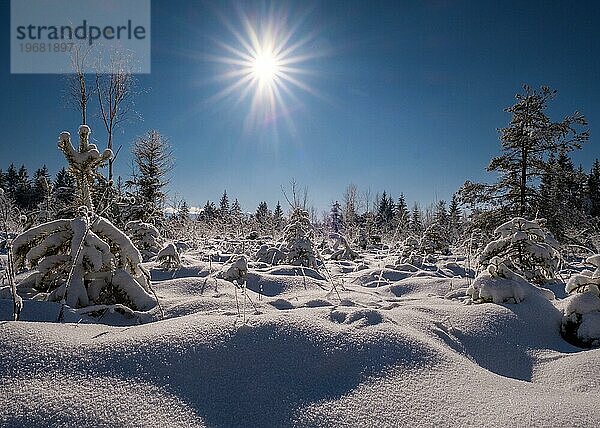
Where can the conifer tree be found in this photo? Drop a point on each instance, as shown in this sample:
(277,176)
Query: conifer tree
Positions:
(224,210)
(335,218)
(593,189)
(402,215)
(278,221)
(263,215)
(416,220)
(527,142)
(454,219)
(236,212)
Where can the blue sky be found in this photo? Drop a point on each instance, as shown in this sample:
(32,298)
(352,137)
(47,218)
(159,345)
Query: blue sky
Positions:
(409,96)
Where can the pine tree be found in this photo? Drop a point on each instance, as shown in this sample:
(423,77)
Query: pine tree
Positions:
(455,220)
(154,160)
(593,189)
(402,216)
(416,220)
(263,215)
(278,220)
(224,207)
(335,218)
(385,212)
(526,144)
(236,212)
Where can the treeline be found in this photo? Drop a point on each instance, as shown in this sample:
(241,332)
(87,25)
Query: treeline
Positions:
(38,191)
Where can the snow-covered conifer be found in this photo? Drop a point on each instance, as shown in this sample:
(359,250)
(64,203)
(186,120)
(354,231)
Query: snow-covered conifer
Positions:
(168,257)
(525,247)
(145,237)
(298,236)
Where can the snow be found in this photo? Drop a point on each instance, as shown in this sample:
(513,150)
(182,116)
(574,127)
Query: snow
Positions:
(395,354)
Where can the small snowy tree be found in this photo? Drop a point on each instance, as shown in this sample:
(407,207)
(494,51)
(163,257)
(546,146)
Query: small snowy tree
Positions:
(298,236)
(581,320)
(83,164)
(500,284)
(336,221)
(86,260)
(168,257)
(145,237)
(525,247)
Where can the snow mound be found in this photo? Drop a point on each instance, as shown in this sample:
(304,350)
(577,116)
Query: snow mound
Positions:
(499,284)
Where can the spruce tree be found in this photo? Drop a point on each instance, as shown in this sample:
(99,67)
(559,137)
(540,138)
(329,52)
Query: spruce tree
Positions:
(154,160)
(527,142)
(236,212)
(454,219)
(278,220)
(402,215)
(593,190)
(335,218)
(263,215)
(416,220)
(23,189)
(224,207)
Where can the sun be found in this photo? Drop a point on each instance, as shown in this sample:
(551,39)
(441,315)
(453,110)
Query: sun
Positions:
(265,67)
(266,62)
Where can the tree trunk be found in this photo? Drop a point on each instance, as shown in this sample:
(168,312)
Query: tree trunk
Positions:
(523,182)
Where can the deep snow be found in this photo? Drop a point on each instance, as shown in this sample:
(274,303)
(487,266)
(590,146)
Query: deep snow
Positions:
(390,350)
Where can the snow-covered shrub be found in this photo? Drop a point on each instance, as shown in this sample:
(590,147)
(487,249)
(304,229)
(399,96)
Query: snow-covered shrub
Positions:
(298,236)
(581,320)
(86,260)
(525,247)
(235,271)
(83,163)
(410,252)
(500,284)
(83,261)
(168,257)
(435,240)
(270,255)
(341,248)
(145,237)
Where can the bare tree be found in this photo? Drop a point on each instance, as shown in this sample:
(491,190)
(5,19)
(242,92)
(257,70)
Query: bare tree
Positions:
(78,93)
(115,90)
(299,197)
(366,196)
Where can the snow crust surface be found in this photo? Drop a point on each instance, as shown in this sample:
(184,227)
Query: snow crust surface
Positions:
(384,347)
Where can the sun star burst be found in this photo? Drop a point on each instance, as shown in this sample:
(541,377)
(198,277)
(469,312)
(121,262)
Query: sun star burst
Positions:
(266,63)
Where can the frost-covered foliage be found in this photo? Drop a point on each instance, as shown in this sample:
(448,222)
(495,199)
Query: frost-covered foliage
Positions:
(83,261)
(145,237)
(581,321)
(298,236)
(83,163)
(236,271)
(335,220)
(341,248)
(168,257)
(270,255)
(500,284)
(435,240)
(409,252)
(526,248)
